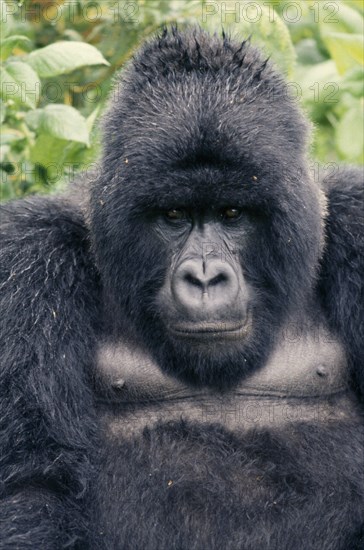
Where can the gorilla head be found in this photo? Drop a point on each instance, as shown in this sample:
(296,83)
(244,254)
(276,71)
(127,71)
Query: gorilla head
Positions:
(206,226)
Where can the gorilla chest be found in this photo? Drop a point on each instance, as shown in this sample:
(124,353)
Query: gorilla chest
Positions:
(237,412)
(192,468)
(304,381)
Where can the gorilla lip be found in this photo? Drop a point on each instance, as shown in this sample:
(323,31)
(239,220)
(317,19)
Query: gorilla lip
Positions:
(228,329)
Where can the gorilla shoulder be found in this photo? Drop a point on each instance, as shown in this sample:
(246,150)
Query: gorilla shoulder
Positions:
(341,283)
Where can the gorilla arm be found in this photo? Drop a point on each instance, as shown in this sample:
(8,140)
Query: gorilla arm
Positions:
(342,273)
(48,311)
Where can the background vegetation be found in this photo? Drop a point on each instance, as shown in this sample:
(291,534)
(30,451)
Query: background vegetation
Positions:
(58,59)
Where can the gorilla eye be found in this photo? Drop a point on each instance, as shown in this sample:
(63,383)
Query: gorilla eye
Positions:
(231,213)
(175,214)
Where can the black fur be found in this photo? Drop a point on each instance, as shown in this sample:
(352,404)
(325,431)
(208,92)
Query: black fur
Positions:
(341,278)
(192,488)
(50,308)
(195,117)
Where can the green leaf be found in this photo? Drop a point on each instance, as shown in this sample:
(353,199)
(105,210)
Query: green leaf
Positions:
(4,151)
(324,143)
(10,135)
(345,20)
(345,49)
(49,151)
(6,18)
(308,52)
(352,82)
(56,155)
(320,88)
(267,29)
(59,121)
(20,83)
(357,5)
(64,57)
(2,111)
(350,133)
(9,44)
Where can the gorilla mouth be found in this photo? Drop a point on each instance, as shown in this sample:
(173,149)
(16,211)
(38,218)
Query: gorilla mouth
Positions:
(211,330)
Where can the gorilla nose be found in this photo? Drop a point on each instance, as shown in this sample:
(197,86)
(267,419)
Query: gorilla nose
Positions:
(211,285)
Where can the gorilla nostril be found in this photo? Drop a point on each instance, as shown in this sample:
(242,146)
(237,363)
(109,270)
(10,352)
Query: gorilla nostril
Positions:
(221,278)
(196,289)
(192,280)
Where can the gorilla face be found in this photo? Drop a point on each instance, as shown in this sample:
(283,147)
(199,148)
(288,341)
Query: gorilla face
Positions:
(205,297)
(205,224)
(206,301)
(202,272)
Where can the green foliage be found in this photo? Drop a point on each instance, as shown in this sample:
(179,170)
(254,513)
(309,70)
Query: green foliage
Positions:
(64,57)
(58,60)
(259,21)
(40,140)
(328,39)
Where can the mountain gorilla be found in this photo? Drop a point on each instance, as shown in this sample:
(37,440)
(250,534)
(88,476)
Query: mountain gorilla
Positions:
(183,336)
